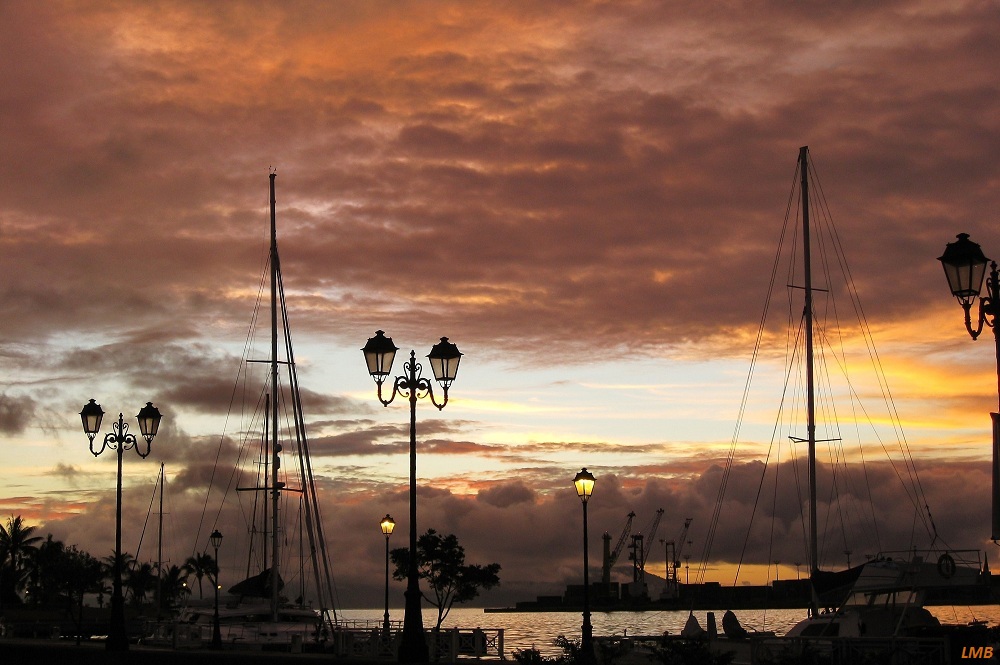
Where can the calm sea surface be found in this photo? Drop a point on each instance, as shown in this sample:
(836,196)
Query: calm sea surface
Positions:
(525,630)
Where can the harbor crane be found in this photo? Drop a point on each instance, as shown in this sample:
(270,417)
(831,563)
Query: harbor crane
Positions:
(677,551)
(640,548)
(611,556)
(673,561)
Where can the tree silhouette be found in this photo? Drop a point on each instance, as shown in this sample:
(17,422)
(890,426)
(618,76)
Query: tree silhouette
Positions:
(17,544)
(43,571)
(202,565)
(174,586)
(72,574)
(441,562)
(54,574)
(140,581)
(126,560)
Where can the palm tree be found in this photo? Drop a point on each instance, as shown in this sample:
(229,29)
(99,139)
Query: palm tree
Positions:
(201,565)
(43,569)
(141,580)
(109,573)
(126,559)
(16,544)
(174,585)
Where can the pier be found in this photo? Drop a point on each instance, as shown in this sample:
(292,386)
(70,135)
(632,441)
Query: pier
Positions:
(359,641)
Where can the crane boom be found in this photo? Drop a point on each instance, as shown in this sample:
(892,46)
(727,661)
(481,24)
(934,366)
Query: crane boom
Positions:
(610,556)
(616,552)
(671,589)
(681,541)
(650,539)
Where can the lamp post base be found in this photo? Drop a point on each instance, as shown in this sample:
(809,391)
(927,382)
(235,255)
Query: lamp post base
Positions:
(587,641)
(413,645)
(117,635)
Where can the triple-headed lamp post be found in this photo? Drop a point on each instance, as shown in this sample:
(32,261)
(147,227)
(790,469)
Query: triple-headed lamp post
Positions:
(120,440)
(387,524)
(216,540)
(965,267)
(584,482)
(444,359)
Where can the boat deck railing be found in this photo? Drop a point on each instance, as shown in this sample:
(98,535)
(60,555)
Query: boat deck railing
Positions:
(449,644)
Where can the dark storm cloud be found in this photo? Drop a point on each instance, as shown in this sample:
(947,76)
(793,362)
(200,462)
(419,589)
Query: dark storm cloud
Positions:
(511,521)
(192,376)
(580,212)
(451,447)
(16,413)
(759,519)
(507,494)
(67,471)
(368,437)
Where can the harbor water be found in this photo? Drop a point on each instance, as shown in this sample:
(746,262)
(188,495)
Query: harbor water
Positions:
(537,630)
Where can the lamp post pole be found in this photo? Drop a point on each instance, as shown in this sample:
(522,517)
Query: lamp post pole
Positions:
(965,267)
(216,540)
(444,358)
(584,482)
(387,525)
(119,440)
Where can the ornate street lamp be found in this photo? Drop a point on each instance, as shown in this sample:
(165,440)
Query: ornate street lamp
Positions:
(387,524)
(444,359)
(965,266)
(120,440)
(584,482)
(216,540)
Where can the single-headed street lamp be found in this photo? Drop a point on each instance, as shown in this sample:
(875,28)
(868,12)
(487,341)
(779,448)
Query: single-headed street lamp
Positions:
(216,540)
(965,266)
(444,359)
(387,524)
(119,440)
(584,482)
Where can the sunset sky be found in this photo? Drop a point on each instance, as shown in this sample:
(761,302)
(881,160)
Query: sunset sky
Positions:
(586,197)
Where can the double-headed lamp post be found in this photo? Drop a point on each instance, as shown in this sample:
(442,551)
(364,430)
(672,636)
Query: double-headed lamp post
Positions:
(120,440)
(387,524)
(965,267)
(444,359)
(584,482)
(216,540)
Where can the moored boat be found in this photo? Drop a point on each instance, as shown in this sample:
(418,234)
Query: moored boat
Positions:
(255,613)
(877,609)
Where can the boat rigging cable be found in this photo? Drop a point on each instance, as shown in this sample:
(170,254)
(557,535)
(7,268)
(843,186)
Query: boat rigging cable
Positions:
(237,384)
(827,241)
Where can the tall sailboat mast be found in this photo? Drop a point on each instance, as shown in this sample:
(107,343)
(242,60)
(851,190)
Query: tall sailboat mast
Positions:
(275,447)
(810,387)
(159,552)
(269,485)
